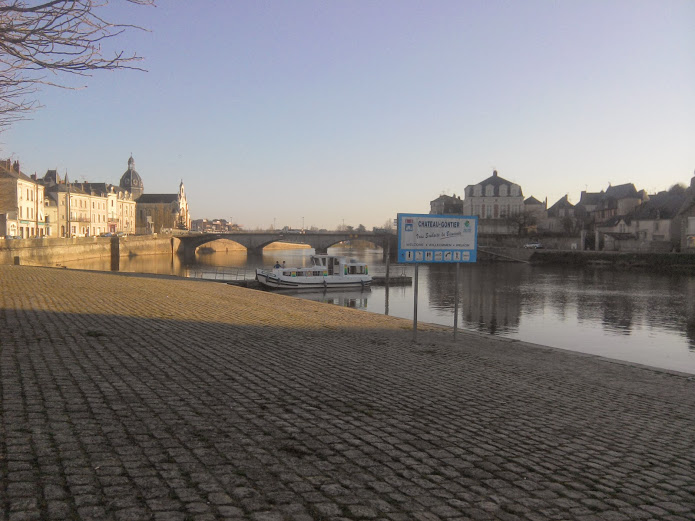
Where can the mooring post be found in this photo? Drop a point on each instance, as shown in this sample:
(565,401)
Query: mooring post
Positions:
(456,300)
(115,254)
(415,306)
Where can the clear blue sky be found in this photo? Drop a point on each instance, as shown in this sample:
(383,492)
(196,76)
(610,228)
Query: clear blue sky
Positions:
(352,111)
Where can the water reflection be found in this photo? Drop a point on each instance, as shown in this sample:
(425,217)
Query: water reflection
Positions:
(356,299)
(632,315)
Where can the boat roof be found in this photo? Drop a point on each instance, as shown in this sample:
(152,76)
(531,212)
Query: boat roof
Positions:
(329,256)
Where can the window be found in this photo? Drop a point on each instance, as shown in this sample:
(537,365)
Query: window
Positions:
(489,191)
(478,190)
(503,191)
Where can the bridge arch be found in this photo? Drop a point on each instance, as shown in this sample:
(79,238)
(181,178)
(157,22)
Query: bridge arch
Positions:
(254,242)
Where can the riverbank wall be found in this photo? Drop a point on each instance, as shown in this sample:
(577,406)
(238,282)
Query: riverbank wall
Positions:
(658,261)
(49,251)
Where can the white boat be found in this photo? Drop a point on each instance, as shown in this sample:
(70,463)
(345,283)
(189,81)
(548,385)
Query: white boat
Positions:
(324,272)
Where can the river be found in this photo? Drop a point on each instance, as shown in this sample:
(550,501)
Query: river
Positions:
(631,315)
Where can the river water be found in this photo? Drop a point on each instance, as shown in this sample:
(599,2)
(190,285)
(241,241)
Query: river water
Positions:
(630,315)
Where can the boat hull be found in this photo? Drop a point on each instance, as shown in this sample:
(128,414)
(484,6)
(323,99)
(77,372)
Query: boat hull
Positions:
(273,281)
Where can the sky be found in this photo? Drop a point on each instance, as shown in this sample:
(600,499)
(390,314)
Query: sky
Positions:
(315,113)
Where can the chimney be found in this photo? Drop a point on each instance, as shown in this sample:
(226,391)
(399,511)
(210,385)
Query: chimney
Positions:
(494,173)
(15,166)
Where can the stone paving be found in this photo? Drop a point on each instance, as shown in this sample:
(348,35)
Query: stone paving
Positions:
(134,397)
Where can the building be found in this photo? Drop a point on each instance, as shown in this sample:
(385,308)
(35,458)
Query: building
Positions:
(617,201)
(21,203)
(155,213)
(446,205)
(86,209)
(131,181)
(560,217)
(497,203)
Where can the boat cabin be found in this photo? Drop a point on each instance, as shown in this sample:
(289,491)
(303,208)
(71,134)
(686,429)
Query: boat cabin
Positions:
(339,265)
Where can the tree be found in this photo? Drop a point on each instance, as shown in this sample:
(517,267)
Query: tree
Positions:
(52,37)
(361,228)
(678,189)
(522,222)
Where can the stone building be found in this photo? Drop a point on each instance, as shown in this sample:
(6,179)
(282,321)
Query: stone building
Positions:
(21,203)
(496,202)
(446,205)
(131,181)
(155,213)
(86,209)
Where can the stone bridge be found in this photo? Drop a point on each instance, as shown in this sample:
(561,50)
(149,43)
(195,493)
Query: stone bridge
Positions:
(254,242)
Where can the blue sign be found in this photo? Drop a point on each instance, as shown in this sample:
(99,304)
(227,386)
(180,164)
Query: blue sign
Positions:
(437,238)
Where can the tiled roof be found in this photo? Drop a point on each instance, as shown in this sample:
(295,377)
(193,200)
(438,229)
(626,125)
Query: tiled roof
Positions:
(663,205)
(158,198)
(626,191)
(591,198)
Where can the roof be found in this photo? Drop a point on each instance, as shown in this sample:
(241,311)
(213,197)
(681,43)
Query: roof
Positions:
(158,198)
(626,191)
(615,220)
(496,181)
(11,174)
(591,198)
(532,200)
(99,188)
(131,180)
(51,177)
(664,205)
(561,204)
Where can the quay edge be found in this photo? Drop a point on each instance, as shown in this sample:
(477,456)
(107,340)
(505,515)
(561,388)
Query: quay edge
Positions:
(658,261)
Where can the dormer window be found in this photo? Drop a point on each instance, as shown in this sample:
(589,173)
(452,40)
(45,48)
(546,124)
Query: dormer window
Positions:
(489,191)
(503,191)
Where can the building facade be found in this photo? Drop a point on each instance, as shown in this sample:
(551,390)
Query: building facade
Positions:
(162,213)
(21,203)
(496,202)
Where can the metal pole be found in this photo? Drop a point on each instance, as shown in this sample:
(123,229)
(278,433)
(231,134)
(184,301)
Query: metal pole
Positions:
(456,301)
(388,264)
(415,306)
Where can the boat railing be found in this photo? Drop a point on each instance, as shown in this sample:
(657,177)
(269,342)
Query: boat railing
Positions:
(395,270)
(221,273)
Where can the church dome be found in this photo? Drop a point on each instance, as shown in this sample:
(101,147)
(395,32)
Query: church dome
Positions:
(131,180)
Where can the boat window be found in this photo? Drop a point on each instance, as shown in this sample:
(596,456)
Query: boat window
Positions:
(287,273)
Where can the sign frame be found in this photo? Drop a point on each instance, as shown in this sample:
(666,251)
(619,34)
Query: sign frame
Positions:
(427,238)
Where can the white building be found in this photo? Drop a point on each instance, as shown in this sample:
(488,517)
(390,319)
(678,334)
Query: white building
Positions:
(21,203)
(495,201)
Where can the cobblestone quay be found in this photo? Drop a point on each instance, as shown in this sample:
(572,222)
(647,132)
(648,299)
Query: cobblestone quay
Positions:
(135,397)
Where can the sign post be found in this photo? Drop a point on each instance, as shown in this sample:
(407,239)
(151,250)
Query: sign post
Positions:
(436,239)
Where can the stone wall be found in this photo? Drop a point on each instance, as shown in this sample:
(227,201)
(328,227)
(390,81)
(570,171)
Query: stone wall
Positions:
(50,251)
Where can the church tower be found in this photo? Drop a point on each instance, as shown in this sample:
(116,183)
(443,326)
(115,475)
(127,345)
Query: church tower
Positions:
(131,180)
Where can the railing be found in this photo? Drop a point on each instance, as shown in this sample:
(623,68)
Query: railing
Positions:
(395,270)
(220,273)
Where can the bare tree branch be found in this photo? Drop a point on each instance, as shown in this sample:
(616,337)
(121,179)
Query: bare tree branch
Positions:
(57,36)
